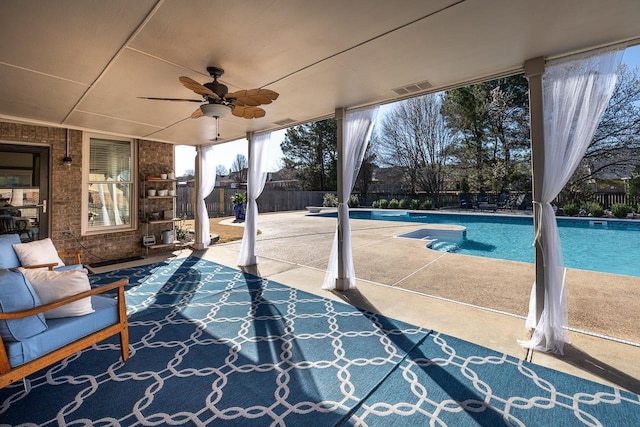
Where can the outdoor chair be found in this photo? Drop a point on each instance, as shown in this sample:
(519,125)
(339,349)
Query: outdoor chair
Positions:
(36,332)
(486,206)
(464,203)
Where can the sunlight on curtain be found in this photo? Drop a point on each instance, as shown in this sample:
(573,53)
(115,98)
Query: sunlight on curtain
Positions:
(358,126)
(256,179)
(113,192)
(207,182)
(576,92)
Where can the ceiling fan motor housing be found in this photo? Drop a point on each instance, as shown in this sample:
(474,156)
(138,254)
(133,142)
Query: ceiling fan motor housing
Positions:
(217,88)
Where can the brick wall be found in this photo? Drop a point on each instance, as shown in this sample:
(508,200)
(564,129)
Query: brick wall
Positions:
(66,190)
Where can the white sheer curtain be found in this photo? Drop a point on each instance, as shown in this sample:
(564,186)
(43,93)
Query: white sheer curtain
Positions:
(576,92)
(106,220)
(357,128)
(256,178)
(207,183)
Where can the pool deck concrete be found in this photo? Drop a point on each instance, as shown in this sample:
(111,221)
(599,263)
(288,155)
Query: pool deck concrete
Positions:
(481,300)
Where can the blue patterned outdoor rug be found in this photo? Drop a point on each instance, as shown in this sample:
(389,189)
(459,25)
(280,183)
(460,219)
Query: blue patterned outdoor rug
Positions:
(213,345)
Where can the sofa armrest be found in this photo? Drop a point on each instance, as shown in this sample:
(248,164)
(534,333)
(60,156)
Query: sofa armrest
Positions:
(49,265)
(75,254)
(50,306)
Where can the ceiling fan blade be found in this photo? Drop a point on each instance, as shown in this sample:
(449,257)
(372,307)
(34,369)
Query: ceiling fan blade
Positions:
(197,87)
(253,97)
(197,114)
(171,99)
(248,112)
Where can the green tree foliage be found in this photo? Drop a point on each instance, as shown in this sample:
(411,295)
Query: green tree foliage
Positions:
(365,174)
(311,149)
(490,120)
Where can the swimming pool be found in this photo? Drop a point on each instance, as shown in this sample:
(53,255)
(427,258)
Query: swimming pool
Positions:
(596,244)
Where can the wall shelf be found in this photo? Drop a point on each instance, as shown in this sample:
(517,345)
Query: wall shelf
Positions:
(159,205)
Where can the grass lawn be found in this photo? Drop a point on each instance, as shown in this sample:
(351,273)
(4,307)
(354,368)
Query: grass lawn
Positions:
(227,233)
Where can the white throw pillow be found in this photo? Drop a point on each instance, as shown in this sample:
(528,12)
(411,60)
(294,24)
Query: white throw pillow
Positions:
(54,285)
(37,252)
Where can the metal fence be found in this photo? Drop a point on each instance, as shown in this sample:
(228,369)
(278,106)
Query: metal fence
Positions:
(606,200)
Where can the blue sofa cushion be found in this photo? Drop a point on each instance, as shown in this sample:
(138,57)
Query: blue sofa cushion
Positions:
(68,267)
(64,330)
(8,257)
(16,293)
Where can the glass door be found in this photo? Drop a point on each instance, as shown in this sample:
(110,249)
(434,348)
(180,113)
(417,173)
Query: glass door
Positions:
(24,191)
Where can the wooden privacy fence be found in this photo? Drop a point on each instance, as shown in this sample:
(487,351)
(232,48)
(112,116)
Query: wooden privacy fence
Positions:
(271,200)
(278,200)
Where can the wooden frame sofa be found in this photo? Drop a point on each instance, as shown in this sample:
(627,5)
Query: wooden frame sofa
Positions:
(25,352)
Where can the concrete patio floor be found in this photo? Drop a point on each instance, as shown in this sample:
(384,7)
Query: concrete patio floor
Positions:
(480,300)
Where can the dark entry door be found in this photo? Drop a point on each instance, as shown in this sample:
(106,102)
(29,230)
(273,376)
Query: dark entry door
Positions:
(24,191)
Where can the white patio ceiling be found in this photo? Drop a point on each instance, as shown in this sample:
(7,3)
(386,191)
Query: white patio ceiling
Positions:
(83,63)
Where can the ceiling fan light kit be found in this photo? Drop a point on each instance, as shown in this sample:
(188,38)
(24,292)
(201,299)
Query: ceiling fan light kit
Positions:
(219,111)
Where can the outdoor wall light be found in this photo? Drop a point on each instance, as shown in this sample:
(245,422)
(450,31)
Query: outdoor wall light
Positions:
(66,160)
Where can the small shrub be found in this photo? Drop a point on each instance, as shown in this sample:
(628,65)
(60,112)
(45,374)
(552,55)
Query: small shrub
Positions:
(383,203)
(394,204)
(404,204)
(375,204)
(329,200)
(570,209)
(354,201)
(239,199)
(594,209)
(415,204)
(427,205)
(620,210)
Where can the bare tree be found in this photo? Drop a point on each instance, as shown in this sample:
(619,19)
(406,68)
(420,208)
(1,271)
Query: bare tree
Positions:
(239,168)
(414,137)
(616,143)
(221,170)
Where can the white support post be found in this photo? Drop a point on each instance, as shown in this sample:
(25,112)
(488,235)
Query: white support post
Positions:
(250,223)
(198,244)
(342,283)
(534,71)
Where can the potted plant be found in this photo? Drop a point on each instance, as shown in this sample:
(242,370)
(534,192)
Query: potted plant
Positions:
(239,200)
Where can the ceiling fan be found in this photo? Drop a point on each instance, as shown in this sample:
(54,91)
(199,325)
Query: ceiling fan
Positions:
(218,102)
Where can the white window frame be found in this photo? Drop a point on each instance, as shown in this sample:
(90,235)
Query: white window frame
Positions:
(85,229)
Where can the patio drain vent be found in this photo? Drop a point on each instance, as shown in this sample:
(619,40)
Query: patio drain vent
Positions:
(412,88)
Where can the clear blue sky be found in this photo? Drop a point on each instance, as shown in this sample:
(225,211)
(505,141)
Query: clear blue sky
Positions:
(227,152)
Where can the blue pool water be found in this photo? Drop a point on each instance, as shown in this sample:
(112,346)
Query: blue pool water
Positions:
(604,245)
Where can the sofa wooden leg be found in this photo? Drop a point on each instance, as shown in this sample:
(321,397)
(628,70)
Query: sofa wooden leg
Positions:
(124,344)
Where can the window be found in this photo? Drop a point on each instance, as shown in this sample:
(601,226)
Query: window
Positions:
(109,185)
